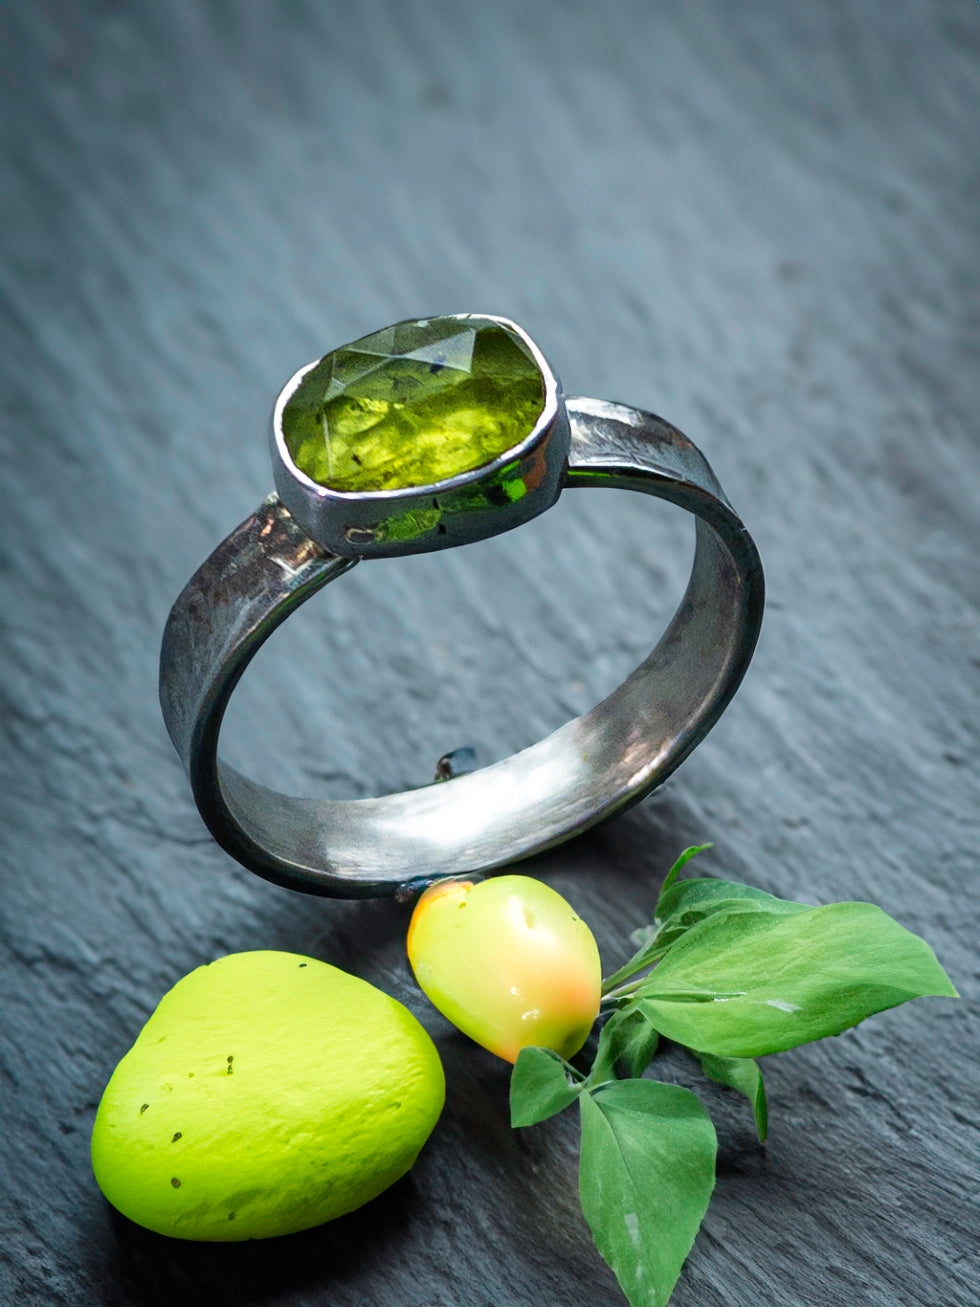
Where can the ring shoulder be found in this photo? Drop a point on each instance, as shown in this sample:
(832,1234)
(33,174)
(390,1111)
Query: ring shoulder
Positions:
(263,570)
(611,441)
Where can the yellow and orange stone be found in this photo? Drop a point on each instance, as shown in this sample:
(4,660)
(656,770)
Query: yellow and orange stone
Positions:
(509,962)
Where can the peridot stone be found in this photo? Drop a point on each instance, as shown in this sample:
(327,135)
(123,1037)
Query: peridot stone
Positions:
(413,404)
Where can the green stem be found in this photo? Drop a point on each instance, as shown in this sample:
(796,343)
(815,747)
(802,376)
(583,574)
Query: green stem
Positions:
(622,991)
(646,957)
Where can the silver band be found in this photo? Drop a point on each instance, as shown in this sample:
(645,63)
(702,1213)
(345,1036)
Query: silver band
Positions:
(588,769)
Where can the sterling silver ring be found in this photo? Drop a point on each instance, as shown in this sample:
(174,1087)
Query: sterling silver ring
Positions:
(430,434)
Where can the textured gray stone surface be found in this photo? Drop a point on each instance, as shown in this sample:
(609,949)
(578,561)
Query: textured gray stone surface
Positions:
(757,219)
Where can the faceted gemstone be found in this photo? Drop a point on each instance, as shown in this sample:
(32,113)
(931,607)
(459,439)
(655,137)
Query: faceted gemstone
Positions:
(413,404)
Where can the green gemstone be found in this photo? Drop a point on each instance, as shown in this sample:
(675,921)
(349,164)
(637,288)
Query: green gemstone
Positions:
(414,404)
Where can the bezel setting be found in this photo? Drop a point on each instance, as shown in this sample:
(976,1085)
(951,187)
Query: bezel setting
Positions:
(513,487)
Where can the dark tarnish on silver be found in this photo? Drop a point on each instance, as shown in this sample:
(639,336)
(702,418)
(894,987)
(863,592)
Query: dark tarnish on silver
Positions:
(587,770)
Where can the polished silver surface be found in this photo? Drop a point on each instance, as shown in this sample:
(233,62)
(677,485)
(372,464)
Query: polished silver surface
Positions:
(588,769)
(419,519)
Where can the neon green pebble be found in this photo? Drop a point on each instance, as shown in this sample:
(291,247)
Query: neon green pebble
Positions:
(267,1093)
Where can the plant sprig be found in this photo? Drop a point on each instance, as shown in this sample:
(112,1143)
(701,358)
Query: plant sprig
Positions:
(730,973)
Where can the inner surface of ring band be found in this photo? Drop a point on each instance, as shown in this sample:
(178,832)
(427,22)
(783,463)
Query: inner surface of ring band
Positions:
(594,764)
(587,769)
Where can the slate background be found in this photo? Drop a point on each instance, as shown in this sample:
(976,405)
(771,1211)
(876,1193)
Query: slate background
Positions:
(757,219)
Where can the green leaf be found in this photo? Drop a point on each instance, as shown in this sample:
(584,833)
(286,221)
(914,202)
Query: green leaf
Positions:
(607,1052)
(740,1073)
(690,901)
(646,1175)
(638,1040)
(744,983)
(628,1037)
(541,1084)
(647,939)
(678,867)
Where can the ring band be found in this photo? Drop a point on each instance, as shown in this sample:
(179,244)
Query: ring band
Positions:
(309,533)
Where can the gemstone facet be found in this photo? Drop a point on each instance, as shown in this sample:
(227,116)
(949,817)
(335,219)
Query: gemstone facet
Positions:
(414,404)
